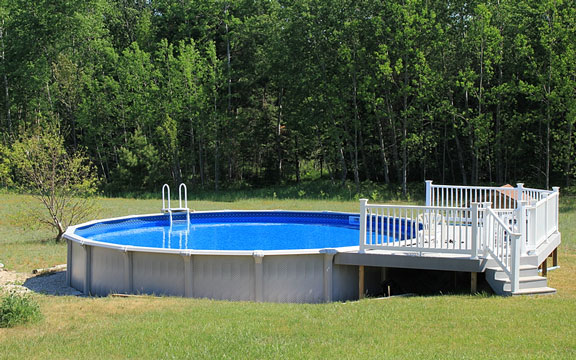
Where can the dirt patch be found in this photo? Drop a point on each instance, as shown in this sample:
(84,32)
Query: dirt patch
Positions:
(12,277)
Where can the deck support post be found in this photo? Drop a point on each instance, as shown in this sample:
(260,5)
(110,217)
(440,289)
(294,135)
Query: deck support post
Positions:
(545,267)
(555,257)
(360,282)
(473,282)
(384,274)
(383,278)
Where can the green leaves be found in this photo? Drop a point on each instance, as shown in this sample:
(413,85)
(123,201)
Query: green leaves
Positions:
(16,309)
(61,181)
(235,91)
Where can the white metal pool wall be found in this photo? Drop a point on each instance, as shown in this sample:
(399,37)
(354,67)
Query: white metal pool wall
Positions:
(299,276)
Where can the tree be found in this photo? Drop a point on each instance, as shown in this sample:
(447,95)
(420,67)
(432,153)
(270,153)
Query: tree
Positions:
(61,181)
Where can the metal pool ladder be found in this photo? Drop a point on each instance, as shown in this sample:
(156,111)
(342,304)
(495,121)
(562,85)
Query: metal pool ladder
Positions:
(182,190)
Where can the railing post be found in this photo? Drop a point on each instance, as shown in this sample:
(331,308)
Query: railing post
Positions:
(475,229)
(428,192)
(363,204)
(517,244)
(521,216)
(486,226)
(515,268)
(519,195)
(546,220)
(556,189)
(531,227)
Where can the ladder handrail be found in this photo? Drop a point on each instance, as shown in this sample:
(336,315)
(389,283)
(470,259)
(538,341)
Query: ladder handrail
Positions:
(182,189)
(165,186)
(183,186)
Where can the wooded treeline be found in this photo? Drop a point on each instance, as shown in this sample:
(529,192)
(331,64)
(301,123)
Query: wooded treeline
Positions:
(224,92)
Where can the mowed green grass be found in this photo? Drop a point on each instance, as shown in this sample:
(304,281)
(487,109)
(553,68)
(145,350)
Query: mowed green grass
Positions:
(453,326)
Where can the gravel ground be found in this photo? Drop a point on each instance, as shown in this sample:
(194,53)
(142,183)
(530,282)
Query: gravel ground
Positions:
(50,284)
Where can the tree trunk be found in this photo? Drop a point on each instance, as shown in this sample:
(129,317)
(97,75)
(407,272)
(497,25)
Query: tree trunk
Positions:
(216,167)
(192,150)
(365,167)
(404,136)
(296,155)
(279,134)
(177,168)
(383,152)
(228,64)
(344,169)
(498,130)
(548,119)
(395,156)
(5,78)
(459,152)
(444,145)
(356,125)
(201,161)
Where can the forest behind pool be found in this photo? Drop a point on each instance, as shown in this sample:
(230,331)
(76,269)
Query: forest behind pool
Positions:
(256,93)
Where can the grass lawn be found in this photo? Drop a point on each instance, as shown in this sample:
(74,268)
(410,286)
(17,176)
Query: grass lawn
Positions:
(455,326)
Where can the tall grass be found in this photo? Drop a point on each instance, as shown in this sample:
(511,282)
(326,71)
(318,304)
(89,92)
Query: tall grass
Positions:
(16,309)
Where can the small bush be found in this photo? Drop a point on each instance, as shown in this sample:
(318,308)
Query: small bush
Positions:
(18,309)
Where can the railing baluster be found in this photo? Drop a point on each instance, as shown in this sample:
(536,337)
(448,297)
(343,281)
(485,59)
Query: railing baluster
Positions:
(371,218)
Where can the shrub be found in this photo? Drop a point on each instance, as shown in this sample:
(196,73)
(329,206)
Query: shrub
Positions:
(18,309)
(62,181)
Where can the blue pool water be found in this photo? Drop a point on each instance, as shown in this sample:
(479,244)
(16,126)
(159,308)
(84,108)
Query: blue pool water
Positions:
(231,231)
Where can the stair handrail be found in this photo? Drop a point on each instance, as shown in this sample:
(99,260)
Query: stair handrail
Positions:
(509,262)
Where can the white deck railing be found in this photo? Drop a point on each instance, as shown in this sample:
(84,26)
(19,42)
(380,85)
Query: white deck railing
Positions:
(501,197)
(477,221)
(542,220)
(457,196)
(541,206)
(417,228)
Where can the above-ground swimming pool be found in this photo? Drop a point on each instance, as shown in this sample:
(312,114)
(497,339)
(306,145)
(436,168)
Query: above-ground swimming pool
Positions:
(277,256)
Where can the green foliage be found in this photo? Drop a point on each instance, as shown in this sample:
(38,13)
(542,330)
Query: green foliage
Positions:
(138,163)
(16,309)
(225,93)
(63,182)
(5,167)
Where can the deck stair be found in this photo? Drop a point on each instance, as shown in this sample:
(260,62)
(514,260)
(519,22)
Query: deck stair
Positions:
(530,282)
(182,203)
